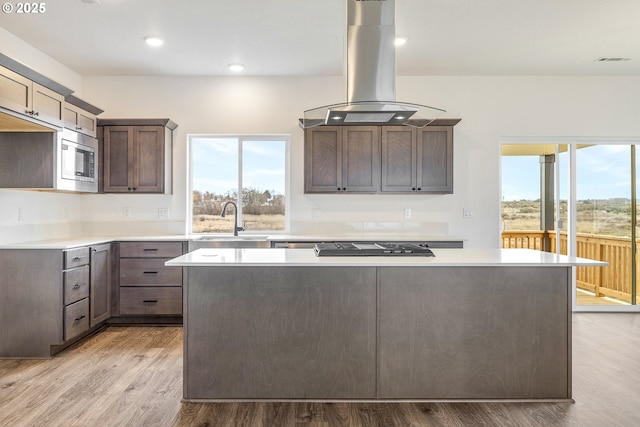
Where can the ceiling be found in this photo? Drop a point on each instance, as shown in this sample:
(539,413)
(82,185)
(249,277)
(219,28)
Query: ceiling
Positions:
(307,37)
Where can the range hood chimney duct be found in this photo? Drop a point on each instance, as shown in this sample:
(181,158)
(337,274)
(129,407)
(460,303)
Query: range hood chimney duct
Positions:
(371,63)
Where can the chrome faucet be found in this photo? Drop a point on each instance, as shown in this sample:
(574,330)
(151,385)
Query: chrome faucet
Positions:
(235,216)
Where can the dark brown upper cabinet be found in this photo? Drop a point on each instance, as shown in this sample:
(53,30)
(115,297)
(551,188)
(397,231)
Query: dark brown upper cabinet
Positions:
(30,99)
(380,159)
(341,159)
(417,160)
(137,155)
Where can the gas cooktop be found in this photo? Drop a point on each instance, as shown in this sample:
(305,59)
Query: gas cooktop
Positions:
(372,249)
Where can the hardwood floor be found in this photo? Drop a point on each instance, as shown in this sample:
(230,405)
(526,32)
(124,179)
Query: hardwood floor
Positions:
(132,376)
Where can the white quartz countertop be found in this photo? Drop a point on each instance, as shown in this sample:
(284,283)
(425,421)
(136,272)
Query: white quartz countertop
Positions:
(89,241)
(74,242)
(443,257)
(359,237)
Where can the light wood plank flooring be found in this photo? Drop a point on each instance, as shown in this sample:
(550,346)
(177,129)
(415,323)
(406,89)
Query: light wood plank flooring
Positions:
(132,376)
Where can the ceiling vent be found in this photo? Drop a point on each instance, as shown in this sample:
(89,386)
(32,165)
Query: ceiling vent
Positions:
(371,67)
(612,59)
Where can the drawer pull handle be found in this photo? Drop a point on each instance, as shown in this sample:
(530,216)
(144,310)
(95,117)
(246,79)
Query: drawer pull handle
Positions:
(150,249)
(150,272)
(153,301)
(80,318)
(77,258)
(77,286)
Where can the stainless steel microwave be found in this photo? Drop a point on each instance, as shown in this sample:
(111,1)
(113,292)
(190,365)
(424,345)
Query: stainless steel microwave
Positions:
(77,158)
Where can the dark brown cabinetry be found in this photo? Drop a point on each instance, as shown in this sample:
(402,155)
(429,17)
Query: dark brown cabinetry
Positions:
(100,301)
(76,279)
(379,159)
(417,160)
(24,96)
(147,286)
(137,155)
(342,159)
(80,116)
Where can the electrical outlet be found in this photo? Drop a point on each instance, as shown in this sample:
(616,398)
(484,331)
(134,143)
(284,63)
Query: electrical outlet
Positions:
(315,213)
(126,212)
(163,213)
(407,213)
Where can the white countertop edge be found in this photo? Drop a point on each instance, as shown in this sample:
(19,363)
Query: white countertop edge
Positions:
(443,258)
(74,242)
(89,241)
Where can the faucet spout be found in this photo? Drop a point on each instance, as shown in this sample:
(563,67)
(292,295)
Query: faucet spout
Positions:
(235,216)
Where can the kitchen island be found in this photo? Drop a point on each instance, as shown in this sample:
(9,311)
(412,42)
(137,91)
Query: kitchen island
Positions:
(283,324)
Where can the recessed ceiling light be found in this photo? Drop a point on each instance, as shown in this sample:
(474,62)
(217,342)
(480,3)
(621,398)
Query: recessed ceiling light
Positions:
(236,67)
(154,41)
(399,41)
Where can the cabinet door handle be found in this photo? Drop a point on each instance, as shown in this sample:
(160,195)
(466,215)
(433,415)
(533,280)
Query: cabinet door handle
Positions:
(149,272)
(77,285)
(153,301)
(80,318)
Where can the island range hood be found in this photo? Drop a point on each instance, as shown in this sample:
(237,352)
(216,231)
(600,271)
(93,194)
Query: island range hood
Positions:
(371,63)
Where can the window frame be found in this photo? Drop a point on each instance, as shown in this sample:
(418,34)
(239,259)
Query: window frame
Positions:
(286,138)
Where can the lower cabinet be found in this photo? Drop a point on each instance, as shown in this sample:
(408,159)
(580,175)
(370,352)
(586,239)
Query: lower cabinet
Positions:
(87,288)
(51,298)
(146,286)
(76,278)
(100,284)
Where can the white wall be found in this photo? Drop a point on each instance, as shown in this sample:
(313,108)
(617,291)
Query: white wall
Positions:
(44,215)
(490,108)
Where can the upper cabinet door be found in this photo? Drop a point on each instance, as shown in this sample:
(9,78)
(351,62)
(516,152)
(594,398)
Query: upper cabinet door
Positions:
(435,159)
(323,160)
(399,159)
(48,105)
(361,159)
(79,120)
(137,158)
(15,91)
(118,149)
(148,159)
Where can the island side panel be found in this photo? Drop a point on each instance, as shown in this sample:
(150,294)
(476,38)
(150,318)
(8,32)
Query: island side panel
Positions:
(31,302)
(474,333)
(280,333)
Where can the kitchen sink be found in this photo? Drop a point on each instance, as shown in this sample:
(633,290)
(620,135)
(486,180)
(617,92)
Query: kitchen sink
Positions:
(229,241)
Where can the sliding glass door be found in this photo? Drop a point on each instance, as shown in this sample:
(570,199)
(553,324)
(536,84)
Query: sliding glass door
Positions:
(588,191)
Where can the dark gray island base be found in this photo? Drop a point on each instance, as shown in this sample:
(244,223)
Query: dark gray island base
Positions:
(375,332)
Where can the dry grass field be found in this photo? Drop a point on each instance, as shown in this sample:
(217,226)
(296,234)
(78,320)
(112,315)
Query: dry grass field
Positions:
(604,217)
(216,224)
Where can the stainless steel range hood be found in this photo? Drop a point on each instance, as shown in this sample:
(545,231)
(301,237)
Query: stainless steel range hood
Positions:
(371,63)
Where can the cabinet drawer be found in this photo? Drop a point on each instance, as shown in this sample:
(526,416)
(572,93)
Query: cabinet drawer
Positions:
(76,257)
(76,284)
(150,249)
(148,272)
(151,300)
(76,318)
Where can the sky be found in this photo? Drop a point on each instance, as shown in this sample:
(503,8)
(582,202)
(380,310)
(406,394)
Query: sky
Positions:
(215,164)
(603,172)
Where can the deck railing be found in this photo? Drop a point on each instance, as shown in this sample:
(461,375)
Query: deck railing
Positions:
(612,281)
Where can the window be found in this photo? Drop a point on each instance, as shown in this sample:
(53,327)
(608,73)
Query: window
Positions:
(226,166)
